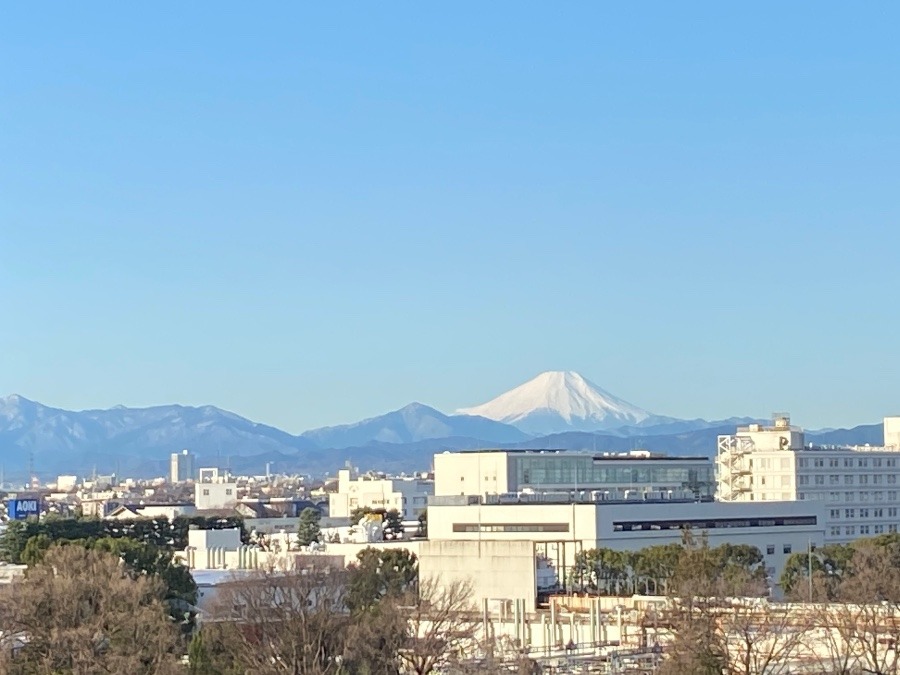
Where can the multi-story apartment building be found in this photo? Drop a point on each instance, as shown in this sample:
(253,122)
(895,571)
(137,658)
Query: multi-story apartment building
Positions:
(408,495)
(616,475)
(860,485)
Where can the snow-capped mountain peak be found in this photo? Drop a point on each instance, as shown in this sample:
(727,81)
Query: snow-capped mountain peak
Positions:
(557,401)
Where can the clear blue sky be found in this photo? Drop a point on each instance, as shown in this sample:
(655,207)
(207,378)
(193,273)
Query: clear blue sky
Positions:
(310,215)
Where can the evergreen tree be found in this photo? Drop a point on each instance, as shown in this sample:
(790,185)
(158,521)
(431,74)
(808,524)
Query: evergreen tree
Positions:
(308,530)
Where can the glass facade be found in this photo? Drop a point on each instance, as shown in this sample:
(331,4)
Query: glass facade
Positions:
(546,471)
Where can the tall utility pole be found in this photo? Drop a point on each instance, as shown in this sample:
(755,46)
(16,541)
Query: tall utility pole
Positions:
(809,566)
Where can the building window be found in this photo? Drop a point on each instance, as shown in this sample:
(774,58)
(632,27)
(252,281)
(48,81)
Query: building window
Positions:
(848,463)
(205,492)
(879,529)
(848,480)
(835,513)
(851,529)
(770,549)
(834,479)
(892,512)
(878,513)
(864,529)
(863,480)
(818,462)
(892,462)
(820,480)
(835,531)
(832,462)
(892,528)
(876,479)
(786,549)
(848,496)
(863,495)
(802,480)
(850,513)
(862,463)
(876,462)
(864,513)
(228,492)
(802,462)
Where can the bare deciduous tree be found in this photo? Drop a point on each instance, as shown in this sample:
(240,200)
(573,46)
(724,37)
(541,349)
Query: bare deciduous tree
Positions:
(81,612)
(761,638)
(281,622)
(443,625)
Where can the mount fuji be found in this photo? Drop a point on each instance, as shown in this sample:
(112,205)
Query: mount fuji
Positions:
(560,401)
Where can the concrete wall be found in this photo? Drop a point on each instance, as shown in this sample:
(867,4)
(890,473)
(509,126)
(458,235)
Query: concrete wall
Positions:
(471,473)
(496,569)
(215,495)
(203,539)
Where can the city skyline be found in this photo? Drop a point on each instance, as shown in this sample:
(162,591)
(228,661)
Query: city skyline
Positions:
(314,216)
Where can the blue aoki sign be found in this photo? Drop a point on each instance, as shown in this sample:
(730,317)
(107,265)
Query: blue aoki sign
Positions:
(20,509)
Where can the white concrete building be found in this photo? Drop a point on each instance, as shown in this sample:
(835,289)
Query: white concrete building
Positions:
(507,548)
(181,467)
(859,485)
(409,496)
(496,472)
(66,483)
(214,491)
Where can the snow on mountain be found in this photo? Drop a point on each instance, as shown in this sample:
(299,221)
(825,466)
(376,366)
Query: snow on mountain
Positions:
(558,401)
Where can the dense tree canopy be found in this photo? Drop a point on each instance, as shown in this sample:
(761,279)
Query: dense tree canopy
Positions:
(160,532)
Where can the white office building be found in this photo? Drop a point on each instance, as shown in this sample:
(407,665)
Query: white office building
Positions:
(859,485)
(214,491)
(409,496)
(616,475)
(511,551)
(181,467)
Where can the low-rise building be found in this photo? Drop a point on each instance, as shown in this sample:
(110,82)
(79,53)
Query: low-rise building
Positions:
(507,549)
(408,495)
(214,490)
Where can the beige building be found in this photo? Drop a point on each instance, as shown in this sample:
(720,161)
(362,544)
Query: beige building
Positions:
(859,485)
(214,490)
(408,495)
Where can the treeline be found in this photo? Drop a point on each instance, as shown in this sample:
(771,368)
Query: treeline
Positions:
(160,532)
(605,571)
(146,546)
(865,570)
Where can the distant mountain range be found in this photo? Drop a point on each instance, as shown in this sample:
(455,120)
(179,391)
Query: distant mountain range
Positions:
(555,410)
